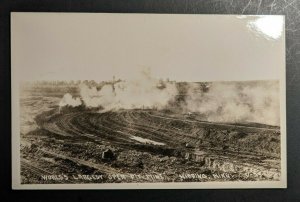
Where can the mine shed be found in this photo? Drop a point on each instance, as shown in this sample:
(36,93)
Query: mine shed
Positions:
(107,155)
(195,155)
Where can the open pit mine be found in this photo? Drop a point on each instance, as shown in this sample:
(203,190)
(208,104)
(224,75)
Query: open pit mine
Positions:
(82,145)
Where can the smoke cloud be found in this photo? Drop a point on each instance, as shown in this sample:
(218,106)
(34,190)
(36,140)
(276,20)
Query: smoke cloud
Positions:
(68,100)
(256,101)
(247,101)
(142,92)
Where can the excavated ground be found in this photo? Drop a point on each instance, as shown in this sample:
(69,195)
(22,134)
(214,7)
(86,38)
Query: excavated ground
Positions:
(67,146)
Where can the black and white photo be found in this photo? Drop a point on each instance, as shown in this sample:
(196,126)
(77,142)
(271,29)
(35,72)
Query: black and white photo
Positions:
(139,101)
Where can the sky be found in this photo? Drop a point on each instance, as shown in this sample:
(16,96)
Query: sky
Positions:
(98,46)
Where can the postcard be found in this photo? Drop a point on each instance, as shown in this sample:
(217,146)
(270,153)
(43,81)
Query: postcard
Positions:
(148,101)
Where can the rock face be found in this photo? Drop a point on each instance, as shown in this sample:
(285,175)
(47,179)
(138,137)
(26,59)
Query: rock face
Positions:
(218,163)
(108,155)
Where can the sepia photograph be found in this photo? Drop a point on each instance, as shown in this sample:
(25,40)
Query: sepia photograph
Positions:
(147,101)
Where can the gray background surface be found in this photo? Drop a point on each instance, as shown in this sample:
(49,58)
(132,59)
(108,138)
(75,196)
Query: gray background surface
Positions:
(289,8)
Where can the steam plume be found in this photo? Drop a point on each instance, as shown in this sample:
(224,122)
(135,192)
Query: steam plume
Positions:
(247,101)
(142,92)
(256,101)
(68,100)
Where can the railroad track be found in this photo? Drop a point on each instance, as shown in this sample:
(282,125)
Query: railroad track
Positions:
(99,167)
(34,169)
(144,128)
(106,126)
(119,127)
(211,124)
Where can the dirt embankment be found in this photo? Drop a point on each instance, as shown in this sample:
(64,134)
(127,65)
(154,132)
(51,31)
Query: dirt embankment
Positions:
(72,141)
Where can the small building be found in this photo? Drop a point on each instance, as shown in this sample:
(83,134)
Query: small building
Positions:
(108,155)
(198,156)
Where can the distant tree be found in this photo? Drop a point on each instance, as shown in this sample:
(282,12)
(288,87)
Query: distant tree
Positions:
(93,83)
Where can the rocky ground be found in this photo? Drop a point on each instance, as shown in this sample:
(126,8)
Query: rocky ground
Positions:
(77,145)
